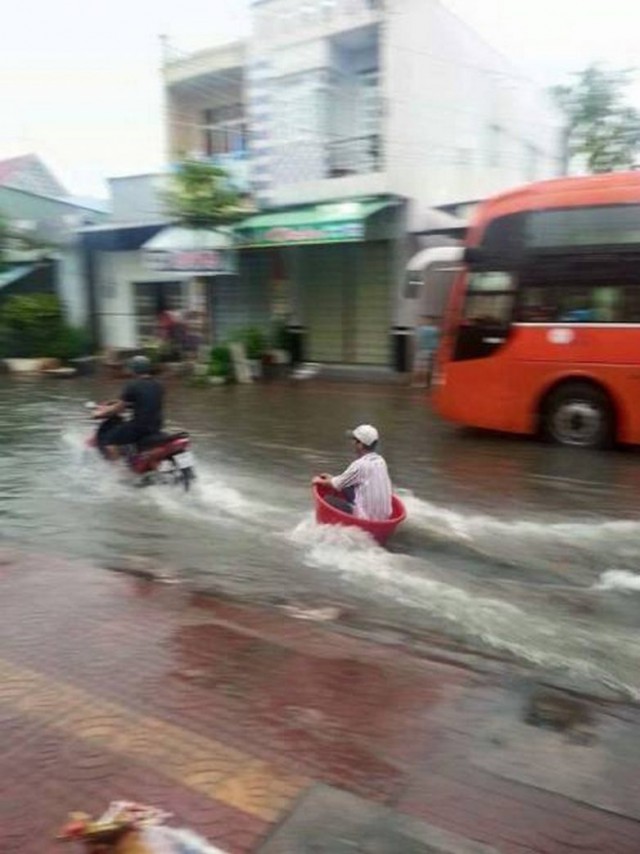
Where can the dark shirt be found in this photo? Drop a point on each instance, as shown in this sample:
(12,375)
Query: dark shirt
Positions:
(145,397)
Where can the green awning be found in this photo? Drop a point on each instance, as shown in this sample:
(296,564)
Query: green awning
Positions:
(331,222)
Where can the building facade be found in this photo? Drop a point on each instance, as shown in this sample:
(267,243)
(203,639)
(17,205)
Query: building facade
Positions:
(392,105)
(140,264)
(43,221)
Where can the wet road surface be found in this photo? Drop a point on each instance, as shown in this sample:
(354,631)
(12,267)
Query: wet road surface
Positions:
(511,546)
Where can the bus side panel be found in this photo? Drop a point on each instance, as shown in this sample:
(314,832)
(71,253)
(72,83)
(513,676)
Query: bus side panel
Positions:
(609,356)
(477,393)
(505,391)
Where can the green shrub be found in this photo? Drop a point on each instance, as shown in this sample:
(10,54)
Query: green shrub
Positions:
(33,326)
(220,362)
(254,339)
(70,343)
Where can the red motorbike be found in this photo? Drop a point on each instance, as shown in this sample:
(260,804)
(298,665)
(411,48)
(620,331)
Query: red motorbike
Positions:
(161,458)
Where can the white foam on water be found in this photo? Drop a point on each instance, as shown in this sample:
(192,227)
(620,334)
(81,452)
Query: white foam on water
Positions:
(618,579)
(211,497)
(541,543)
(497,624)
(74,439)
(468,526)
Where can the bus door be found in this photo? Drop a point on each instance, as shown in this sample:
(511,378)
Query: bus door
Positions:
(479,369)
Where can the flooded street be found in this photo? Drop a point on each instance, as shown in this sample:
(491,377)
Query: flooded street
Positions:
(511,546)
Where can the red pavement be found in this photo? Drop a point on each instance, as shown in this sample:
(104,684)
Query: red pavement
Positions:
(113,687)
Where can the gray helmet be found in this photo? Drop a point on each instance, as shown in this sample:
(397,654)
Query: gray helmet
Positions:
(140,365)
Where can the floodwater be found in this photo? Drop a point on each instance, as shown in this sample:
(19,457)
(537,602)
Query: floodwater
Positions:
(511,547)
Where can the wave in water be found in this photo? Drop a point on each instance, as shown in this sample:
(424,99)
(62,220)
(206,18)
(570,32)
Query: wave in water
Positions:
(212,497)
(531,543)
(537,638)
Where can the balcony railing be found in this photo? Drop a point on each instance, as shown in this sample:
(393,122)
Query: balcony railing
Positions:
(354,156)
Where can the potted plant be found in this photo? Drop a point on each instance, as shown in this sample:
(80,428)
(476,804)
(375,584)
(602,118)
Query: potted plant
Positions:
(220,365)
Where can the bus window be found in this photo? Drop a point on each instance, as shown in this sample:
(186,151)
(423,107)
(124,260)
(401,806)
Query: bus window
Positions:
(564,302)
(605,225)
(488,309)
(487,315)
(632,304)
(584,304)
(491,281)
(537,304)
(490,297)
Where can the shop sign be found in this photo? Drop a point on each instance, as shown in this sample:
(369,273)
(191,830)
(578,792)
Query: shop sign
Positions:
(334,232)
(202,261)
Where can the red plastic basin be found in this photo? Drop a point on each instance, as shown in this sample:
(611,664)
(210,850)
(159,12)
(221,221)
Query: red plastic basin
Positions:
(326,514)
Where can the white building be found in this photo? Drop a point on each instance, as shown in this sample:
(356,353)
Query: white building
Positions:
(343,98)
(391,106)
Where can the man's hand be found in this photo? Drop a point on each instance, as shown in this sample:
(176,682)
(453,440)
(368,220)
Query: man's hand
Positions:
(106,410)
(99,413)
(321,479)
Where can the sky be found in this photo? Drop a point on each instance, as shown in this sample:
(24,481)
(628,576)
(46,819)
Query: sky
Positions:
(80,82)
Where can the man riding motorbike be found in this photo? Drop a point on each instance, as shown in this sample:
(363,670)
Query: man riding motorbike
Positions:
(144,395)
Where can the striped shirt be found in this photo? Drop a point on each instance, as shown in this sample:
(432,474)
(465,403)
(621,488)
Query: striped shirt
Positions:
(370,478)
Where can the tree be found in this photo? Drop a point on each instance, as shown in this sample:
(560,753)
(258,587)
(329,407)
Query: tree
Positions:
(601,128)
(200,196)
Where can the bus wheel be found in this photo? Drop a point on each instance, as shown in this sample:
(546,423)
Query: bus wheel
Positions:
(579,414)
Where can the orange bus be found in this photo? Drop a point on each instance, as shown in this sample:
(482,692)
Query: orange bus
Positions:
(542,333)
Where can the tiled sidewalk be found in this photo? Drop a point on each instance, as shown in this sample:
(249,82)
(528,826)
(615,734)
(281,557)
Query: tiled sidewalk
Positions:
(115,687)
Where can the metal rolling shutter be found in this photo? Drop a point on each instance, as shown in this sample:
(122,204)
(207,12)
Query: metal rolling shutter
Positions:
(324,286)
(243,300)
(373,304)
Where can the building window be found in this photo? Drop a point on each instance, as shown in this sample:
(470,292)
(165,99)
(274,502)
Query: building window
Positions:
(225,131)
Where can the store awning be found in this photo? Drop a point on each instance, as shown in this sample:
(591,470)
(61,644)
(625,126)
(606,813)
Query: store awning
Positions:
(199,251)
(334,222)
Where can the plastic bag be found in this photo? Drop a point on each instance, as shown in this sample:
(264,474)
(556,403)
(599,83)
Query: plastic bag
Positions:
(130,828)
(168,840)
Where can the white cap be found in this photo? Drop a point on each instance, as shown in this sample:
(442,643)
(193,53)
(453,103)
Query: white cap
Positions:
(366,434)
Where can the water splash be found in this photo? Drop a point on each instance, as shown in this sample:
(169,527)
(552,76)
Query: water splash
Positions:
(540,543)
(618,579)
(543,640)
